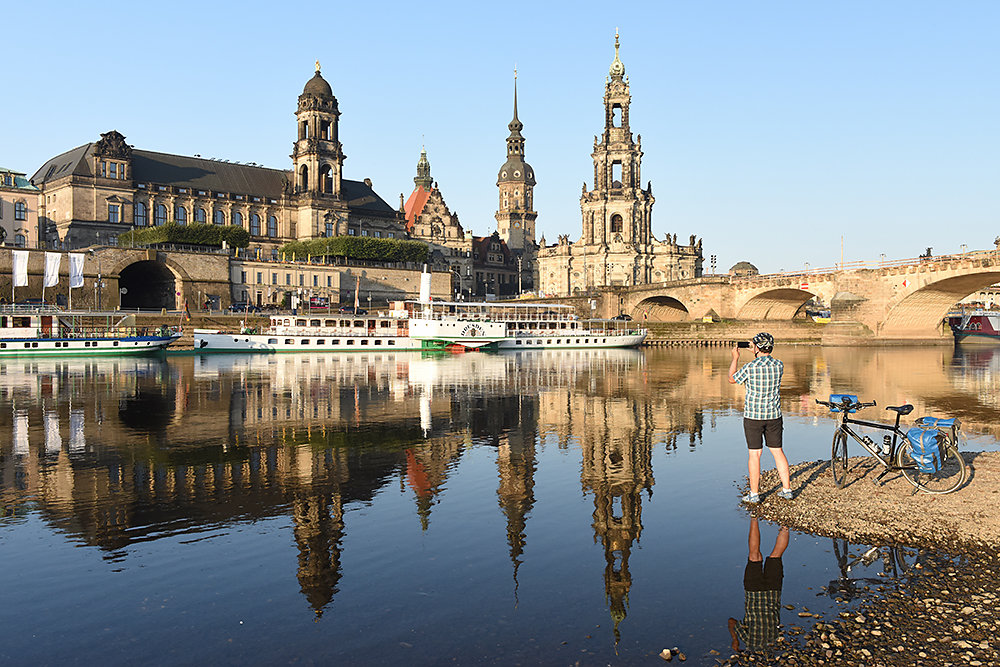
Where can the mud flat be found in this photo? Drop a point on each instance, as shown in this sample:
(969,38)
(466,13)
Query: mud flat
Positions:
(944,611)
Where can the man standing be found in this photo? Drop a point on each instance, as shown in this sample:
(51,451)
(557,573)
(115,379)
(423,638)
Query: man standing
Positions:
(762,411)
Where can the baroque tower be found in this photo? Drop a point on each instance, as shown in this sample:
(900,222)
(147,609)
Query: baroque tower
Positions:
(515,215)
(617,209)
(318,160)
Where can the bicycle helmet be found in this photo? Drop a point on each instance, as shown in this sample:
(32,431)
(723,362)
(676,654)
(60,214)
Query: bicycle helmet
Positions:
(764,341)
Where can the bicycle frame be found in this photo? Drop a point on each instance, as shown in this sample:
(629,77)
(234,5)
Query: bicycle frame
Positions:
(898,437)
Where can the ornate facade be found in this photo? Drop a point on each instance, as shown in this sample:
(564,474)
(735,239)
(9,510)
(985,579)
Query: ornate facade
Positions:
(515,211)
(101,189)
(18,210)
(429,219)
(617,246)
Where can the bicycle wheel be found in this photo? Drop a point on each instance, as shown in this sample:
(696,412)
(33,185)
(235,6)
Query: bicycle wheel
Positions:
(947,479)
(838,459)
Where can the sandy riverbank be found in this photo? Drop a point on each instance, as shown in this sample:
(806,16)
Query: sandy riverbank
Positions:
(944,611)
(892,512)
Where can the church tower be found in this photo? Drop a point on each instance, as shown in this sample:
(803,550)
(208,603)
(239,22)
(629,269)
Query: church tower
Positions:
(318,159)
(516,181)
(617,209)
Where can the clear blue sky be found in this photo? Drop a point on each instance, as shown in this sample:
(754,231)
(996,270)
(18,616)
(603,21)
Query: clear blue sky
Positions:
(770,129)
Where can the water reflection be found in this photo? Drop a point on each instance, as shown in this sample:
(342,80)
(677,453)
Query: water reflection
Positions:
(114,453)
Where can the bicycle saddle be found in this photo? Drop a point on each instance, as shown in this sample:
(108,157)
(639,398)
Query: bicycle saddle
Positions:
(900,409)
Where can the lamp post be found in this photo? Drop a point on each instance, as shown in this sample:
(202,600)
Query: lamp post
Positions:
(99,283)
(519,258)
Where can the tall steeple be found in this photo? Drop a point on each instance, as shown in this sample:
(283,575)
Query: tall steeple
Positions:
(516,181)
(423,177)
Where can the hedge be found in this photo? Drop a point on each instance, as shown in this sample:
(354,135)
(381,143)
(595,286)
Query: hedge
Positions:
(196,234)
(358,247)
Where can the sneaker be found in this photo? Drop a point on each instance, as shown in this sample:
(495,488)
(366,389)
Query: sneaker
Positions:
(787,495)
(751,498)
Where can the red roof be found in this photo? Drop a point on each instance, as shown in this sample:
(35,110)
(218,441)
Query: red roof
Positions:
(415,204)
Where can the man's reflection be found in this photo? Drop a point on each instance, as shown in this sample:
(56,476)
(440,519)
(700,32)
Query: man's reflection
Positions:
(762,592)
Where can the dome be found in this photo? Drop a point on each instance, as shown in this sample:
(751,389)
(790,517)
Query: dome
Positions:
(317,86)
(516,169)
(743,269)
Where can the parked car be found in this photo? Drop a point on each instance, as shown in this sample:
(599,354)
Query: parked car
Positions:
(243,307)
(351,310)
(624,317)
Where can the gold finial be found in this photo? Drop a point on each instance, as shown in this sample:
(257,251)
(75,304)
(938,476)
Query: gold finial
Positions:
(616,41)
(515,71)
(317,67)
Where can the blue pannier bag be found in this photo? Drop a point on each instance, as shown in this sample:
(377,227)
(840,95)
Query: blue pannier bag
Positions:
(926,447)
(838,399)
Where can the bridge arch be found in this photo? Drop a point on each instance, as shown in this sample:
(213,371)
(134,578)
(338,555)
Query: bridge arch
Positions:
(780,303)
(661,309)
(924,309)
(149,284)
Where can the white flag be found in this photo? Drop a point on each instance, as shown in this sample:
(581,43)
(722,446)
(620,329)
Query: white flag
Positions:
(76,269)
(52,261)
(20,267)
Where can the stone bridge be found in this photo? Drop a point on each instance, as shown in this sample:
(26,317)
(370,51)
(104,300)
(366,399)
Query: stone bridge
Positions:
(898,300)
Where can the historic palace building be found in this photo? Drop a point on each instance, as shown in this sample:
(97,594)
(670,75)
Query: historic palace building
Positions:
(18,210)
(429,219)
(515,214)
(92,193)
(617,246)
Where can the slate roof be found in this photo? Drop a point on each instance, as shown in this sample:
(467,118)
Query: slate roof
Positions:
(203,174)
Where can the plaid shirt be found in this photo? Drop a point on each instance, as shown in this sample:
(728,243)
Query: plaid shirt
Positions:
(760,623)
(762,378)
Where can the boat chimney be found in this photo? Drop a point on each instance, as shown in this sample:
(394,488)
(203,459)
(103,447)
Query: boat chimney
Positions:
(425,286)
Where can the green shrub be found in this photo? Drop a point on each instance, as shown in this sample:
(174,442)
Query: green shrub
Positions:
(196,234)
(358,247)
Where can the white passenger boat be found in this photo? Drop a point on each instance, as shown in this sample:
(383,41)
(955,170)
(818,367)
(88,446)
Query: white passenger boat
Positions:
(437,325)
(515,326)
(330,332)
(30,330)
(976,327)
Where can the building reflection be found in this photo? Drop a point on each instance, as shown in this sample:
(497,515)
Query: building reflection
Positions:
(118,451)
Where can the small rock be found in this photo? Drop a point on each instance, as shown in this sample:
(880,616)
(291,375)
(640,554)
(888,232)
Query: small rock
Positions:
(666,655)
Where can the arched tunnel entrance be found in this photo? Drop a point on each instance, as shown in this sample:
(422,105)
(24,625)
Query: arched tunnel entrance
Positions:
(776,304)
(661,309)
(148,285)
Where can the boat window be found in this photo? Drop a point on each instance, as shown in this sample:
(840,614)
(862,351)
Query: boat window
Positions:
(300,323)
(314,323)
(304,341)
(385,324)
(288,321)
(321,341)
(378,342)
(350,341)
(36,344)
(359,323)
(345,323)
(3,321)
(330,323)
(289,341)
(392,342)
(272,341)
(364,341)
(115,344)
(20,321)
(3,346)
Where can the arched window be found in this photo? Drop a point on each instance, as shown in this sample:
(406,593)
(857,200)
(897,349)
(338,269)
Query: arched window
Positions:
(304,178)
(272,226)
(220,217)
(237,219)
(616,223)
(20,211)
(199,215)
(254,224)
(139,216)
(20,240)
(180,215)
(326,179)
(160,216)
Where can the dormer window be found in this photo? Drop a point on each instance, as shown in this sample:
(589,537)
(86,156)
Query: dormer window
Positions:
(112,169)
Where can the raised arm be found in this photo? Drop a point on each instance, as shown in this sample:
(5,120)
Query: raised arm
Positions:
(734,364)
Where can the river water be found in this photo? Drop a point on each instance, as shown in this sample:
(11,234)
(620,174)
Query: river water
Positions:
(553,507)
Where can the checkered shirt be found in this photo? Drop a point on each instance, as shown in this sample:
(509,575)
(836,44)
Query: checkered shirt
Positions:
(760,623)
(762,378)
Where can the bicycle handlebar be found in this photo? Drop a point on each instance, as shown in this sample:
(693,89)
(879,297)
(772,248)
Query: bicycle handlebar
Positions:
(845,405)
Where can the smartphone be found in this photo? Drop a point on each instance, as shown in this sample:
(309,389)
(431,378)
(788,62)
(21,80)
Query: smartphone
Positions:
(743,343)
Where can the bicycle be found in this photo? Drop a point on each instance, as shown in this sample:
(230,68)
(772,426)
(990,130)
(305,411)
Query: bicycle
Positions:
(935,467)
(896,562)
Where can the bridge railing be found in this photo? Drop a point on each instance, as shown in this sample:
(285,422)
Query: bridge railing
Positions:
(878,264)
